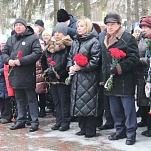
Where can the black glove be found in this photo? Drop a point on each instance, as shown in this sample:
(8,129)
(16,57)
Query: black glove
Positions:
(50,73)
(113,71)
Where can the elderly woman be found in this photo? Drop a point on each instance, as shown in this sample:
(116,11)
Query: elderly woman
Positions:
(142,70)
(85,78)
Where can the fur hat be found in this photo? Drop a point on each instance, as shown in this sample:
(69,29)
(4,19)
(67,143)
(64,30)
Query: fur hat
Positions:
(112,17)
(146,22)
(61,27)
(62,15)
(22,21)
(39,22)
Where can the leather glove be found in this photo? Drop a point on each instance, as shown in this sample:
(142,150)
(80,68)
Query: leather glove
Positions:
(50,73)
(113,71)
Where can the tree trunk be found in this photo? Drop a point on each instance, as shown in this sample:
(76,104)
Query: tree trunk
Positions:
(56,7)
(145,7)
(87,11)
(129,15)
(67,6)
(136,10)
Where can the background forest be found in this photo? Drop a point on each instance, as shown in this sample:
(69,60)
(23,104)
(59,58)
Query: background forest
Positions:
(31,10)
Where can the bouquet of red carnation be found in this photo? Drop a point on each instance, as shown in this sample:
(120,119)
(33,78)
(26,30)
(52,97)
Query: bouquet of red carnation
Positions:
(52,64)
(80,60)
(116,55)
(19,55)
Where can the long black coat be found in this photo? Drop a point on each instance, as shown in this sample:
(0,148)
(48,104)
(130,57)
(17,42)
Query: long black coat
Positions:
(123,84)
(23,76)
(85,83)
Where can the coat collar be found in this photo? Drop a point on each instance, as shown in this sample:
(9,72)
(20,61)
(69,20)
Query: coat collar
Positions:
(115,39)
(54,46)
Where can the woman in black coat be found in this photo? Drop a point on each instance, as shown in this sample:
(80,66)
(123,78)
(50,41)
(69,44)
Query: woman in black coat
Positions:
(55,62)
(85,81)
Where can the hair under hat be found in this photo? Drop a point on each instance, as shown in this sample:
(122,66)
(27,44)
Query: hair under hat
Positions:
(62,15)
(61,27)
(20,20)
(146,22)
(39,22)
(112,17)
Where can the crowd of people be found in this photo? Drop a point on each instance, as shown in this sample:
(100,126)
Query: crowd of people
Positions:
(84,72)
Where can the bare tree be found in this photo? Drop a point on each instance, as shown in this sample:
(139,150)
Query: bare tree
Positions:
(145,4)
(87,10)
(67,6)
(56,7)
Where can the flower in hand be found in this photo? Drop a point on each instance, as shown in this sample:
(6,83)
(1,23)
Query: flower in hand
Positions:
(80,61)
(116,55)
(15,62)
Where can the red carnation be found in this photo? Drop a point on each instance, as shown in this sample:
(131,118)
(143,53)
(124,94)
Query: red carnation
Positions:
(19,55)
(81,60)
(53,63)
(149,36)
(49,60)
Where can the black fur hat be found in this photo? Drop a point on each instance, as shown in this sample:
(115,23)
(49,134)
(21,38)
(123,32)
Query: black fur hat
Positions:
(112,17)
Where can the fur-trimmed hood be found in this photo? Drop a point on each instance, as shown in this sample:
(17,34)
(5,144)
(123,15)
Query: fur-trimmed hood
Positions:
(54,46)
(115,39)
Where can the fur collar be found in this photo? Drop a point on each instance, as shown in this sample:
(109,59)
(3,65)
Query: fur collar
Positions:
(115,39)
(54,46)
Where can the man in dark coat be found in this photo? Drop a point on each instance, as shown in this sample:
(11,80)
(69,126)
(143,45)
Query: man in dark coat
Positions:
(63,16)
(122,90)
(21,52)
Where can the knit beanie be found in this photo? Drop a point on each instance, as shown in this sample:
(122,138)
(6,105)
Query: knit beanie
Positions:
(62,15)
(39,22)
(137,28)
(112,17)
(61,27)
(20,20)
(47,31)
(146,22)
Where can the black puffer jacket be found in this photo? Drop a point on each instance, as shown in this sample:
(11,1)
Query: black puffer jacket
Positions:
(123,84)
(85,83)
(23,76)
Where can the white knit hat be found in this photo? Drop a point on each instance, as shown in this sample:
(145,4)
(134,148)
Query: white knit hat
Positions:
(137,28)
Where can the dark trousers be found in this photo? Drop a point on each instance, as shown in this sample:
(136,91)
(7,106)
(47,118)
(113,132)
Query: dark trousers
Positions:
(124,114)
(42,100)
(88,124)
(108,115)
(61,97)
(144,113)
(5,109)
(24,96)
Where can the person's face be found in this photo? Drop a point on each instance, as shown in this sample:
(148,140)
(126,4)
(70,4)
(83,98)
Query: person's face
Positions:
(19,28)
(46,37)
(112,28)
(40,28)
(146,30)
(58,35)
(81,29)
